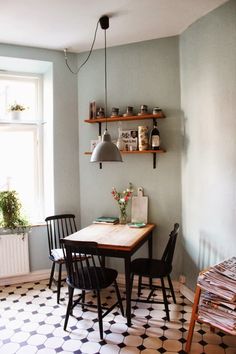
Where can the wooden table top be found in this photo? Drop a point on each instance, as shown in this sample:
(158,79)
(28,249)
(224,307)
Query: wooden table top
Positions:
(118,237)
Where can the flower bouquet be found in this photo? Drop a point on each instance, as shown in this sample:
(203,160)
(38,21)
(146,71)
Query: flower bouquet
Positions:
(123,198)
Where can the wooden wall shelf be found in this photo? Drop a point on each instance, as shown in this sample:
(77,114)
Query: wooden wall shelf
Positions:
(153,152)
(160,115)
(121,119)
(161,151)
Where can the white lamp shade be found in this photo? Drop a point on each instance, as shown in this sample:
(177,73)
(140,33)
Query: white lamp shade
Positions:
(106,151)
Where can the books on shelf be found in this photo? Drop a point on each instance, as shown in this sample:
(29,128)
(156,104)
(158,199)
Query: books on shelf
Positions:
(106,220)
(217,304)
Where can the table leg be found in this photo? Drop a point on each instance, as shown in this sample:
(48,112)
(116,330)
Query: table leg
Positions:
(128,290)
(150,255)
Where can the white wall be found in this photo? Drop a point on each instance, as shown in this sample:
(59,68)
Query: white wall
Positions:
(208,91)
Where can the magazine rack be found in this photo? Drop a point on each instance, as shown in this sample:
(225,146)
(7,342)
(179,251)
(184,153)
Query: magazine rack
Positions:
(194,318)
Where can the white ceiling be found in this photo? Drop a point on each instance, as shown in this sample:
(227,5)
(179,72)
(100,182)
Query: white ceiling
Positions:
(58,24)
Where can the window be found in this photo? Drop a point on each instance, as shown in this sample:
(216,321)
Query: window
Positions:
(21,142)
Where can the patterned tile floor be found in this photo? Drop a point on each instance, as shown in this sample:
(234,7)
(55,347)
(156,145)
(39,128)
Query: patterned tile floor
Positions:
(31,322)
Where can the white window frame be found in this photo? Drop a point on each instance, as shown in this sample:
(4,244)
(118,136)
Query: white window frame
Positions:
(36,126)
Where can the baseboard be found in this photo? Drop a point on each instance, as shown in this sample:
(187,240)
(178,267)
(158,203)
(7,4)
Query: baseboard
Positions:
(24,278)
(45,274)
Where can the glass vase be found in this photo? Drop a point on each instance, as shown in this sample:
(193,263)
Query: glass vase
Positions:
(123,216)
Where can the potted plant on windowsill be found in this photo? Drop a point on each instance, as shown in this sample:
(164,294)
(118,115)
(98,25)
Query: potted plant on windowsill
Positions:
(16,110)
(11,216)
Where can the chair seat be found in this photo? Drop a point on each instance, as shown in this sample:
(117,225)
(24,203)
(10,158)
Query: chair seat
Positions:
(96,278)
(154,268)
(58,256)
(59,261)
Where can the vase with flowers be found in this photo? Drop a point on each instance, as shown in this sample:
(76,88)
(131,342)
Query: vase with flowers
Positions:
(123,198)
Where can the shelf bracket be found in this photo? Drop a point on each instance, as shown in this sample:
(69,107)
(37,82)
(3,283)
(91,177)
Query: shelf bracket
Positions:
(154,160)
(100,129)
(154,121)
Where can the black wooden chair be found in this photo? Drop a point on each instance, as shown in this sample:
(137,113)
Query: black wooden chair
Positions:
(157,269)
(86,274)
(58,227)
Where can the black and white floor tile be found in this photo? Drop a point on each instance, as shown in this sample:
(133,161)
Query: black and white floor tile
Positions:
(32,322)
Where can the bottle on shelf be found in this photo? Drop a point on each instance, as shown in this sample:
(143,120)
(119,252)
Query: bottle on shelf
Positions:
(155,138)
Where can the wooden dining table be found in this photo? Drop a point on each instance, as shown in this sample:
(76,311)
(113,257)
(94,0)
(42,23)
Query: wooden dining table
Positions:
(120,241)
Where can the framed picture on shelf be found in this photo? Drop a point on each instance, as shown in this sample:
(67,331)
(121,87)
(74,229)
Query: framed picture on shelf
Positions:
(130,139)
(93,144)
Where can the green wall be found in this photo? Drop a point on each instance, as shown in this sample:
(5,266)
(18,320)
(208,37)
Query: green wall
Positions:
(141,73)
(208,91)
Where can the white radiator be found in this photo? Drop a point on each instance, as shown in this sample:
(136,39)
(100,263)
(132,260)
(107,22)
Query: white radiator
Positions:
(14,255)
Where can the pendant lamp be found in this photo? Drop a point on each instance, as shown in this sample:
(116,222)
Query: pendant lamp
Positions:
(105,150)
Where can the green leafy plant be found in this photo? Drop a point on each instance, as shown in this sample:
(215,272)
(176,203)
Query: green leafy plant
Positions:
(17,107)
(10,207)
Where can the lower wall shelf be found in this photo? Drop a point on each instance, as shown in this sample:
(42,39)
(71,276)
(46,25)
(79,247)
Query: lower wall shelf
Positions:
(161,151)
(154,152)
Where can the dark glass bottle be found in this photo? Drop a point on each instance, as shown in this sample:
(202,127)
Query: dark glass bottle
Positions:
(155,138)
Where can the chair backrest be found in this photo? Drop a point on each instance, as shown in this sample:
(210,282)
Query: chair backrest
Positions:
(83,264)
(58,227)
(170,247)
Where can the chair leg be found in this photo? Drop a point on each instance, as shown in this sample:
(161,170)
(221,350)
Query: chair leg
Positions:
(83,299)
(139,285)
(69,306)
(165,299)
(119,298)
(51,275)
(99,314)
(171,288)
(59,284)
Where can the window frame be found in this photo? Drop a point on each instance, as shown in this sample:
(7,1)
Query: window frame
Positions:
(36,126)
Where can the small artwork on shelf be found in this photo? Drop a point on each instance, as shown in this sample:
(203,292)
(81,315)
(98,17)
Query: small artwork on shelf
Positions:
(92,110)
(93,144)
(130,139)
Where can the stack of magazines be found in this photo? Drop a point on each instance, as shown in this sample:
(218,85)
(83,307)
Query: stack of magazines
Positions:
(106,220)
(217,304)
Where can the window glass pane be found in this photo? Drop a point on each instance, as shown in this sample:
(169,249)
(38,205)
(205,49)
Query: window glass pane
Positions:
(18,91)
(19,170)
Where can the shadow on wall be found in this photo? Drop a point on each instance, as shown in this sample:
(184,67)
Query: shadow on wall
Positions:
(210,252)
(185,138)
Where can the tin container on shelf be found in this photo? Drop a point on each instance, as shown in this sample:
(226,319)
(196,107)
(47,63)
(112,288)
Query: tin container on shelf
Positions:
(115,112)
(129,111)
(143,110)
(157,110)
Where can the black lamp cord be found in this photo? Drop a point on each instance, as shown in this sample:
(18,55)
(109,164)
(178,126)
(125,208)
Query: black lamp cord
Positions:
(90,52)
(105,51)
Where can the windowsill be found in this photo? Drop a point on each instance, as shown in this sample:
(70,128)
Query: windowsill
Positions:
(5,121)
(36,224)
(9,231)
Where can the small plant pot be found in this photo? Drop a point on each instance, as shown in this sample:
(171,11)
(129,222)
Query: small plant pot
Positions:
(16,115)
